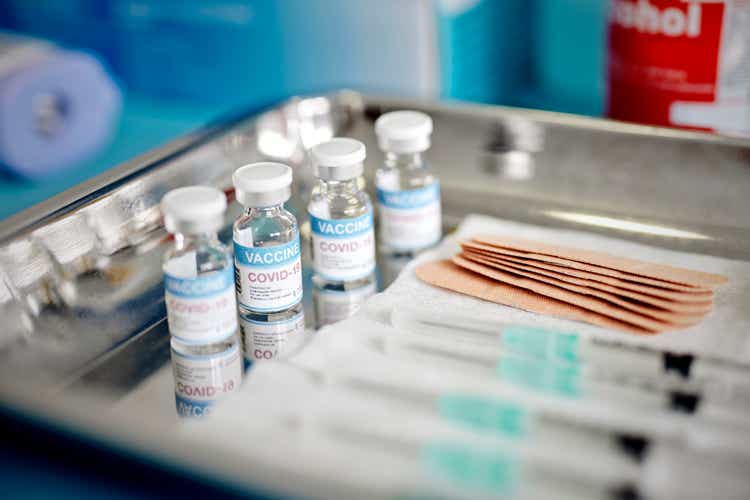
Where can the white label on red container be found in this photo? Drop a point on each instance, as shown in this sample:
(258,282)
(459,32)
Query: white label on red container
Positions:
(679,63)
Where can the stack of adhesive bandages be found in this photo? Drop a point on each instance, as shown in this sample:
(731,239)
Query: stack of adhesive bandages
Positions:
(594,287)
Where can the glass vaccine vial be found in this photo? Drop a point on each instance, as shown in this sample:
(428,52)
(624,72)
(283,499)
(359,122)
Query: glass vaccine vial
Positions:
(268,264)
(340,213)
(200,300)
(408,193)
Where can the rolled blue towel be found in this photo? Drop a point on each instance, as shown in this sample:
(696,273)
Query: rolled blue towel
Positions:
(57,107)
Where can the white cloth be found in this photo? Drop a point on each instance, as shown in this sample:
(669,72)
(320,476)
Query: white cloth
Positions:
(725,332)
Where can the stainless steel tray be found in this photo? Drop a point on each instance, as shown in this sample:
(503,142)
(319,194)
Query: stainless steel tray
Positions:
(80,274)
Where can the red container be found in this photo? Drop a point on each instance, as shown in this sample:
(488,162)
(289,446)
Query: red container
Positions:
(681,63)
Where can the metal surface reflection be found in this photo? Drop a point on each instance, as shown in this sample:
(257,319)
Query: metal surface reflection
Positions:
(81,292)
(93,270)
(509,152)
(624,225)
(332,306)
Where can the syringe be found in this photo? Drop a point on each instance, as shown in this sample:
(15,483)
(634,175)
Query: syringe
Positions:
(692,379)
(437,380)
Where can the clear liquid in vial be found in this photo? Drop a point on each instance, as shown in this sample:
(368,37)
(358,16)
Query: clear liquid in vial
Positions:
(338,201)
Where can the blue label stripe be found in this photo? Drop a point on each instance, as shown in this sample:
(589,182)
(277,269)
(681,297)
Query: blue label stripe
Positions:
(341,228)
(272,256)
(293,319)
(190,407)
(203,286)
(410,198)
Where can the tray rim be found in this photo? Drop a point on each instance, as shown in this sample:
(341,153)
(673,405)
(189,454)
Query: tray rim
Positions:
(88,191)
(72,414)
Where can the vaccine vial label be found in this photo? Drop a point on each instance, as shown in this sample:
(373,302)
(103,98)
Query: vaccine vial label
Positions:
(203,308)
(343,249)
(410,219)
(269,278)
(264,341)
(200,380)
